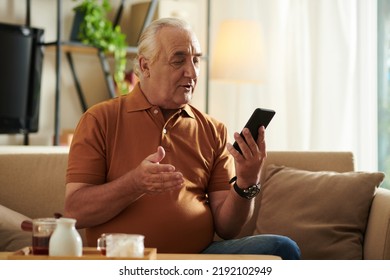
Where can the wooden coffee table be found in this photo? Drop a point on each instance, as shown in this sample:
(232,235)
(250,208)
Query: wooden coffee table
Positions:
(163,256)
(166,256)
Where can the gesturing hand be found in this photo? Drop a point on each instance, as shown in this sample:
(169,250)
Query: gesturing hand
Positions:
(151,177)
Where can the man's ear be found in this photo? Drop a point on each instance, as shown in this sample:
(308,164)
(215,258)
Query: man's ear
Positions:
(144,66)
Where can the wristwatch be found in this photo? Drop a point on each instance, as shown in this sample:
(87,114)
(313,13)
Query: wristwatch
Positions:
(249,192)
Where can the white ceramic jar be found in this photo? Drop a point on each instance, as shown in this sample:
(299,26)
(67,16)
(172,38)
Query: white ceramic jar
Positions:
(65,240)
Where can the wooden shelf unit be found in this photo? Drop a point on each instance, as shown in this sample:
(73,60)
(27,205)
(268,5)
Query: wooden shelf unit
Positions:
(70,47)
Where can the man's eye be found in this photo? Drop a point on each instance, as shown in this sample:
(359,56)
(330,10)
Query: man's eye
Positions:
(178,62)
(196,60)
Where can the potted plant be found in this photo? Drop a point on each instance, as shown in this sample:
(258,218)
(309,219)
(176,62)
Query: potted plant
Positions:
(95,29)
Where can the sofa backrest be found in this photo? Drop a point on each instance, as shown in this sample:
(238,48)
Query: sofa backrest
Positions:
(32,179)
(312,161)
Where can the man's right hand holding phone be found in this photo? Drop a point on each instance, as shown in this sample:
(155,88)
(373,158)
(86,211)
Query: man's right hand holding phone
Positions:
(248,164)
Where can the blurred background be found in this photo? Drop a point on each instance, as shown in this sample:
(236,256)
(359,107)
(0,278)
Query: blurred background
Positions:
(321,65)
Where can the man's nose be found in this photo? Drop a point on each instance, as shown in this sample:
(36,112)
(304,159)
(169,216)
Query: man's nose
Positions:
(192,70)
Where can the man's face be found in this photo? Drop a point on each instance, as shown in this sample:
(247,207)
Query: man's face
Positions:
(173,76)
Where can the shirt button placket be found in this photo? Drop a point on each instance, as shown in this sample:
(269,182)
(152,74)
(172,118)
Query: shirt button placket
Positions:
(165,138)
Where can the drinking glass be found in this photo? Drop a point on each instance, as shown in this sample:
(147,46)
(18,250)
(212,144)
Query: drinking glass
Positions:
(42,229)
(121,245)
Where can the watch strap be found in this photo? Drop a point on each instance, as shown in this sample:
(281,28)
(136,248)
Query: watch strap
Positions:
(233,179)
(247,193)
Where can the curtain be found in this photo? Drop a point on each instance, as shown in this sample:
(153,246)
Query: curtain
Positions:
(320,76)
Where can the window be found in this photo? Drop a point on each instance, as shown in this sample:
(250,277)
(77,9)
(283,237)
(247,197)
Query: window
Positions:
(384,89)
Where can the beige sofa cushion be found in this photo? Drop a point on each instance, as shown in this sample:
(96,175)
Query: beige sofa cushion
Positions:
(13,240)
(12,237)
(324,212)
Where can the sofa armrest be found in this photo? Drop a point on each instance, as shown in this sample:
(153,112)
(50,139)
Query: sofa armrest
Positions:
(377,237)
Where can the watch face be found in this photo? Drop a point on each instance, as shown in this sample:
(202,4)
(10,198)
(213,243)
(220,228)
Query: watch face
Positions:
(248,193)
(252,191)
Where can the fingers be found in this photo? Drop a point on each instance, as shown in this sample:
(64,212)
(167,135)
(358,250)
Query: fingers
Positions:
(261,142)
(157,156)
(252,149)
(248,146)
(248,164)
(261,137)
(163,182)
(153,177)
(153,183)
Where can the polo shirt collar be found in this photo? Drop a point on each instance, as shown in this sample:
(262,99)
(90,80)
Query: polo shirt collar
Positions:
(136,101)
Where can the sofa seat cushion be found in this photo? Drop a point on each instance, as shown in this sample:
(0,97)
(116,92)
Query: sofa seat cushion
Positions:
(13,240)
(12,237)
(325,212)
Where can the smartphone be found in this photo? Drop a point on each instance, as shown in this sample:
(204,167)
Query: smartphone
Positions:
(260,117)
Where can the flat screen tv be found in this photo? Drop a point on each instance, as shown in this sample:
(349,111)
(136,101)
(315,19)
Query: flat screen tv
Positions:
(21,57)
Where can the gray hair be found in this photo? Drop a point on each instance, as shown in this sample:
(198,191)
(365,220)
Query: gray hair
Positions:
(148,46)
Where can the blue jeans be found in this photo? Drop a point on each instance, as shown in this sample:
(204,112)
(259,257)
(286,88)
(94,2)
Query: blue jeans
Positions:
(263,244)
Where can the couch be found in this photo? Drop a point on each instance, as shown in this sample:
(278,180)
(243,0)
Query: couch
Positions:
(315,198)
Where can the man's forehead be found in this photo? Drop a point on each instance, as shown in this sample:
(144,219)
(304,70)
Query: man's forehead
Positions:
(187,51)
(180,42)
(196,50)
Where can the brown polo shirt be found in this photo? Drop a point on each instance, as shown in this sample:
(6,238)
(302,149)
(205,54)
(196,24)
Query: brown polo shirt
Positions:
(114,136)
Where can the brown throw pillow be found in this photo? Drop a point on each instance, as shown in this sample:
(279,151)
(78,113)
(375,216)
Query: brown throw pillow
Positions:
(325,212)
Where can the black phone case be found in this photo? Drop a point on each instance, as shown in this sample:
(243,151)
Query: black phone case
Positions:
(260,117)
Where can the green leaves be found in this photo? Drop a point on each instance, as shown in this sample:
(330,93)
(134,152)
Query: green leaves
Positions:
(98,31)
